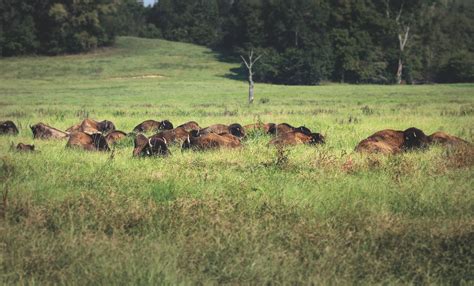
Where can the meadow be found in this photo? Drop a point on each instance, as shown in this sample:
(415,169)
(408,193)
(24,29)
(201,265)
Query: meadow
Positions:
(322,215)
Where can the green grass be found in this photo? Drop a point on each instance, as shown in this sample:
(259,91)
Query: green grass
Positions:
(322,214)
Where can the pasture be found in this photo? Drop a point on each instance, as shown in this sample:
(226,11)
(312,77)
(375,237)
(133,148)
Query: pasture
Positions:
(320,214)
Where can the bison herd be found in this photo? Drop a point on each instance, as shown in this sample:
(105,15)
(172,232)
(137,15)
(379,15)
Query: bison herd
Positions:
(100,135)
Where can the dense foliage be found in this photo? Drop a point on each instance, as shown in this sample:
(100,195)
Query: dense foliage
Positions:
(55,26)
(302,41)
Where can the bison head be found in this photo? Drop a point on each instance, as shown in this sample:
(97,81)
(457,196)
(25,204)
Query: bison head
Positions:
(237,130)
(106,126)
(271,128)
(166,125)
(317,138)
(414,138)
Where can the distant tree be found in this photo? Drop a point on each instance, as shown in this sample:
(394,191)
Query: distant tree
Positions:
(249,62)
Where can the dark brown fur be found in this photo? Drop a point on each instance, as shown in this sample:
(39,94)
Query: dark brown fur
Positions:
(8,128)
(43,131)
(153,146)
(394,141)
(25,147)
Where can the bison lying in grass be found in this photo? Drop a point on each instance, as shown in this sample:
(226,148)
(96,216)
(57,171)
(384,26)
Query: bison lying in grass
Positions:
(43,131)
(395,141)
(235,129)
(8,128)
(300,135)
(198,141)
(153,126)
(90,142)
(91,126)
(25,147)
(153,146)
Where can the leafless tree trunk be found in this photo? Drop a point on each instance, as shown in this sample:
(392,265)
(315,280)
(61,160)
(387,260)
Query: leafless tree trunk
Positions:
(402,39)
(249,64)
(404,32)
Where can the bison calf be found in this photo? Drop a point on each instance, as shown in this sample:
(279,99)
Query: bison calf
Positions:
(25,147)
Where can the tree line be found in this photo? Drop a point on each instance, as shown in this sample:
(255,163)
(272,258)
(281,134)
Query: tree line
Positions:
(300,41)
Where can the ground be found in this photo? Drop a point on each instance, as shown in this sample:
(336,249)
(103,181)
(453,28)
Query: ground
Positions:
(308,214)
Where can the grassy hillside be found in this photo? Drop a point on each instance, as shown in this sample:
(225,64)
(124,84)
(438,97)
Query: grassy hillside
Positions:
(312,214)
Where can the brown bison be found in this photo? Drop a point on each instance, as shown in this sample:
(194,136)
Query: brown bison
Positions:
(115,136)
(394,141)
(198,141)
(189,126)
(235,129)
(8,128)
(298,137)
(179,134)
(267,128)
(43,131)
(90,142)
(285,128)
(91,126)
(152,146)
(153,126)
(25,147)
(442,138)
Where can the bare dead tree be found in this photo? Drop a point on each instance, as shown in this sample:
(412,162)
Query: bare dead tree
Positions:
(403,34)
(249,64)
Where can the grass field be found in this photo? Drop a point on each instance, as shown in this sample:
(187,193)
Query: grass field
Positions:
(322,215)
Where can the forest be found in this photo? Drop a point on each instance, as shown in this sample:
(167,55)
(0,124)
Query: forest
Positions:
(301,42)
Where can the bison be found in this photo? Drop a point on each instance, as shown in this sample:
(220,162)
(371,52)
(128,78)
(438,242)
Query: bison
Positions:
(445,139)
(90,142)
(91,126)
(189,126)
(298,137)
(394,141)
(235,129)
(198,141)
(43,131)
(8,128)
(179,134)
(152,146)
(153,126)
(285,128)
(25,147)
